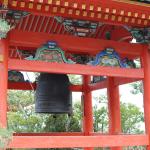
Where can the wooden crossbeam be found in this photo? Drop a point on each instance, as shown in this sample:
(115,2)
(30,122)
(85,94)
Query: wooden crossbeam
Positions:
(39,66)
(32,86)
(74,88)
(78,141)
(73,44)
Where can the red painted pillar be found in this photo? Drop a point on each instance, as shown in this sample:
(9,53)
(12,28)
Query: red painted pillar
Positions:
(114,109)
(146,65)
(88,112)
(3,81)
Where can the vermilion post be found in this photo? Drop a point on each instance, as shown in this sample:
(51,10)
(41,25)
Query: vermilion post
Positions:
(3,82)
(146,65)
(114,109)
(88,112)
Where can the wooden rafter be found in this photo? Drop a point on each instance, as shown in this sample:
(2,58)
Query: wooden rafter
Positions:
(110,11)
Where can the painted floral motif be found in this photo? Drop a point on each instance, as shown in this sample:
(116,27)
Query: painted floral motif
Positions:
(108,57)
(50,52)
(53,56)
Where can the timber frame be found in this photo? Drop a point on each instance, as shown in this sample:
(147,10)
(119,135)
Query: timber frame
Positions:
(29,34)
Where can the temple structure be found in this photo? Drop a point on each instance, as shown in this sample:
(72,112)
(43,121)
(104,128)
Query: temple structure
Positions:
(92,38)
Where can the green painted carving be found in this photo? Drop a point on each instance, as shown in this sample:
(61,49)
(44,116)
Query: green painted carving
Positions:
(4,28)
(142,35)
(50,53)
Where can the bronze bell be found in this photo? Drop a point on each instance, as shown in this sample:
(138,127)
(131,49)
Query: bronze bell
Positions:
(52,94)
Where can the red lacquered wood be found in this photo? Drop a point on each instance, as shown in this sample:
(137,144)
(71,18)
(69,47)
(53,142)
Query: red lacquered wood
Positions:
(109,4)
(21,86)
(121,81)
(51,134)
(77,141)
(117,80)
(114,108)
(75,88)
(88,110)
(76,44)
(32,86)
(58,134)
(98,85)
(39,66)
(146,64)
(110,12)
(3,82)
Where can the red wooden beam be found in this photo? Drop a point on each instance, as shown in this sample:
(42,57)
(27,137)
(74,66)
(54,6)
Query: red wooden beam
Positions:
(114,109)
(96,10)
(21,86)
(74,88)
(3,82)
(87,106)
(146,102)
(118,81)
(78,141)
(50,134)
(98,86)
(31,86)
(39,66)
(58,134)
(73,44)
(88,110)
(121,81)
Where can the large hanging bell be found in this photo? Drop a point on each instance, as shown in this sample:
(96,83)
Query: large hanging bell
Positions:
(52,94)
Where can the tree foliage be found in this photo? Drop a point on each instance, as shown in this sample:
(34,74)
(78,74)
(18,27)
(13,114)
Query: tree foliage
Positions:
(5,137)
(137,87)
(22,117)
(100,119)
